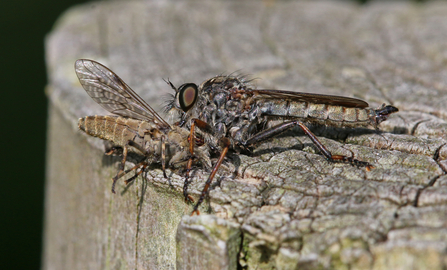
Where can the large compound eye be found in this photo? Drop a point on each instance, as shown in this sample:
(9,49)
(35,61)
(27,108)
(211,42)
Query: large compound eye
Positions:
(187,96)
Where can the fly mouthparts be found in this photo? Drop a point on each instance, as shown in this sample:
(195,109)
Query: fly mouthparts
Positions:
(383,112)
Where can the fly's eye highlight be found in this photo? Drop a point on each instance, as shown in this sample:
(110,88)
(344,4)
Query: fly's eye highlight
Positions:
(187,96)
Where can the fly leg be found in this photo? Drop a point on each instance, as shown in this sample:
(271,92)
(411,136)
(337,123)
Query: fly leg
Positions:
(163,157)
(226,146)
(141,165)
(192,140)
(121,172)
(326,153)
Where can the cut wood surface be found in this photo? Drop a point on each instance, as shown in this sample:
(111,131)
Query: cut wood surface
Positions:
(284,206)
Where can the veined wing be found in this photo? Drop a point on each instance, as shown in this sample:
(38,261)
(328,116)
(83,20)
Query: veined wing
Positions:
(113,94)
(309,97)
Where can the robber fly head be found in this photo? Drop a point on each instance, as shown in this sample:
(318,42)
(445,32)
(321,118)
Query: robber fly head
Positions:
(183,100)
(186,96)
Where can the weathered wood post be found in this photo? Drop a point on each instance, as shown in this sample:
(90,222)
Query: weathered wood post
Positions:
(283,207)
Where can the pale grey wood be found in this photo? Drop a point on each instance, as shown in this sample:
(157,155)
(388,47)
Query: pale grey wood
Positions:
(284,206)
(208,242)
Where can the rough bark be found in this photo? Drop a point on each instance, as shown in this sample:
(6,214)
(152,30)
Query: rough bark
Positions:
(284,206)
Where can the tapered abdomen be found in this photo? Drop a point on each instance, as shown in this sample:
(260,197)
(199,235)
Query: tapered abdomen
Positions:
(322,114)
(118,130)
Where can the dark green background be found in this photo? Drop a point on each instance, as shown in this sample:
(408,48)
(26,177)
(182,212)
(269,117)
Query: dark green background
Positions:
(23,27)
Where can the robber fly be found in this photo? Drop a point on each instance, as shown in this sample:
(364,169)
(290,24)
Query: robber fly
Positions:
(135,127)
(230,114)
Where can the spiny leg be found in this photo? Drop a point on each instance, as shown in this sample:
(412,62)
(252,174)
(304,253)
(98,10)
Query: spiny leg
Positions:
(329,156)
(121,171)
(192,140)
(226,147)
(143,165)
(285,126)
(163,156)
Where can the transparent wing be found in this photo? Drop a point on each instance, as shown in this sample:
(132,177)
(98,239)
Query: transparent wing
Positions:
(113,94)
(308,97)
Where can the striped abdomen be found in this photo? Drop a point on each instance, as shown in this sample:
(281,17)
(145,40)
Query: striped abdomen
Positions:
(324,114)
(116,129)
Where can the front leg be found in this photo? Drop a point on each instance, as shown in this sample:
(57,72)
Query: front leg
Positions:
(225,142)
(269,133)
(192,140)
